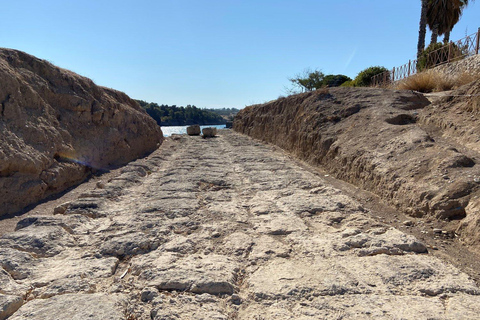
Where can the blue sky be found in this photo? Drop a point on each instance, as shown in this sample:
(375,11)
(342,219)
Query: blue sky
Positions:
(215,53)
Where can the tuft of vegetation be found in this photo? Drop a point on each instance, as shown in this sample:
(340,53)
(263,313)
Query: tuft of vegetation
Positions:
(364,77)
(431,81)
(421,82)
(166,115)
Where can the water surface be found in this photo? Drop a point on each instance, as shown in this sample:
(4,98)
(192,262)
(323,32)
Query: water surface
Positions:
(169,130)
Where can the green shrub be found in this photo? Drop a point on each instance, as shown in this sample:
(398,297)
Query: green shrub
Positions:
(364,78)
(350,83)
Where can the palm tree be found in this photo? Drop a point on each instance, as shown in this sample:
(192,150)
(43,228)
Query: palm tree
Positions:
(463,5)
(442,15)
(423,28)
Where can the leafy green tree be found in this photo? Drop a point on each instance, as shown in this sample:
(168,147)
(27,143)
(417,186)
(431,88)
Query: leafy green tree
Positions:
(364,77)
(307,81)
(312,80)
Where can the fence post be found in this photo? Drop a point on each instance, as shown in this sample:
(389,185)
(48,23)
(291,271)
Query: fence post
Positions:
(409,63)
(478,41)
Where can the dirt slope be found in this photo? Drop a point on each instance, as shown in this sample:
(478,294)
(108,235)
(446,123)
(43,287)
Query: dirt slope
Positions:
(419,157)
(57,126)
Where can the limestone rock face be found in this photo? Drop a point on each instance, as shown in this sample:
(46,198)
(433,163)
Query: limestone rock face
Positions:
(57,126)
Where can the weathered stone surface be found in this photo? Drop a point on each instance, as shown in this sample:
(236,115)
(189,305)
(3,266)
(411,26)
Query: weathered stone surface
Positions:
(193,130)
(350,307)
(213,274)
(148,294)
(58,126)
(17,263)
(63,286)
(128,245)
(10,286)
(74,306)
(381,241)
(185,234)
(41,241)
(202,307)
(8,305)
(71,265)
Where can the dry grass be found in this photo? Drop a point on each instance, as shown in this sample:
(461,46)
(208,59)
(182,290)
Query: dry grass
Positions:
(435,82)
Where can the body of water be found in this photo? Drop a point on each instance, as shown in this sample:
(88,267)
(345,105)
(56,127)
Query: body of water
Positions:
(168,131)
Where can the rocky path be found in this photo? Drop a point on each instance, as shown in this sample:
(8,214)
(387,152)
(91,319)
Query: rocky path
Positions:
(223,228)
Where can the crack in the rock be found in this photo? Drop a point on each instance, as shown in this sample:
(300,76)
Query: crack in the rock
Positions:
(3,104)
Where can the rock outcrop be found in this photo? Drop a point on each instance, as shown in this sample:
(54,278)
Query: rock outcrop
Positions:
(58,126)
(420,157)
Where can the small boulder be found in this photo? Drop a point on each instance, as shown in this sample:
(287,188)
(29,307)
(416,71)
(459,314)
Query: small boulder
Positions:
(148,294)
(209,132)
(193,130)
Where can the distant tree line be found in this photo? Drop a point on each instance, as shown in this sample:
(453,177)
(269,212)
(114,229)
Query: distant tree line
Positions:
(166,115)
(226,112)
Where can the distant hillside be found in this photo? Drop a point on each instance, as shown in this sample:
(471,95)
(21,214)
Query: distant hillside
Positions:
(166,115)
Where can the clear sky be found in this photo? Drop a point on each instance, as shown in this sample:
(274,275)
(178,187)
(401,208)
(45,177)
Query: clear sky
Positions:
(215,53)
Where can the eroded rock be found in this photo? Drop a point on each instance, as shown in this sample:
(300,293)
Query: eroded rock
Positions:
(57,127)
(9,305)
(74,306)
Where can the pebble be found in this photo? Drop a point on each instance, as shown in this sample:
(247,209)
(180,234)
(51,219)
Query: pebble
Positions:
(408,223)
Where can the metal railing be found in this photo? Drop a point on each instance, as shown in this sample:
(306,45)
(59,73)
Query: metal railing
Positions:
(450,52)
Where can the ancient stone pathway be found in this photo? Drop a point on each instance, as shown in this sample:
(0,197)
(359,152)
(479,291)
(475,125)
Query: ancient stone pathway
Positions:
(223,228)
